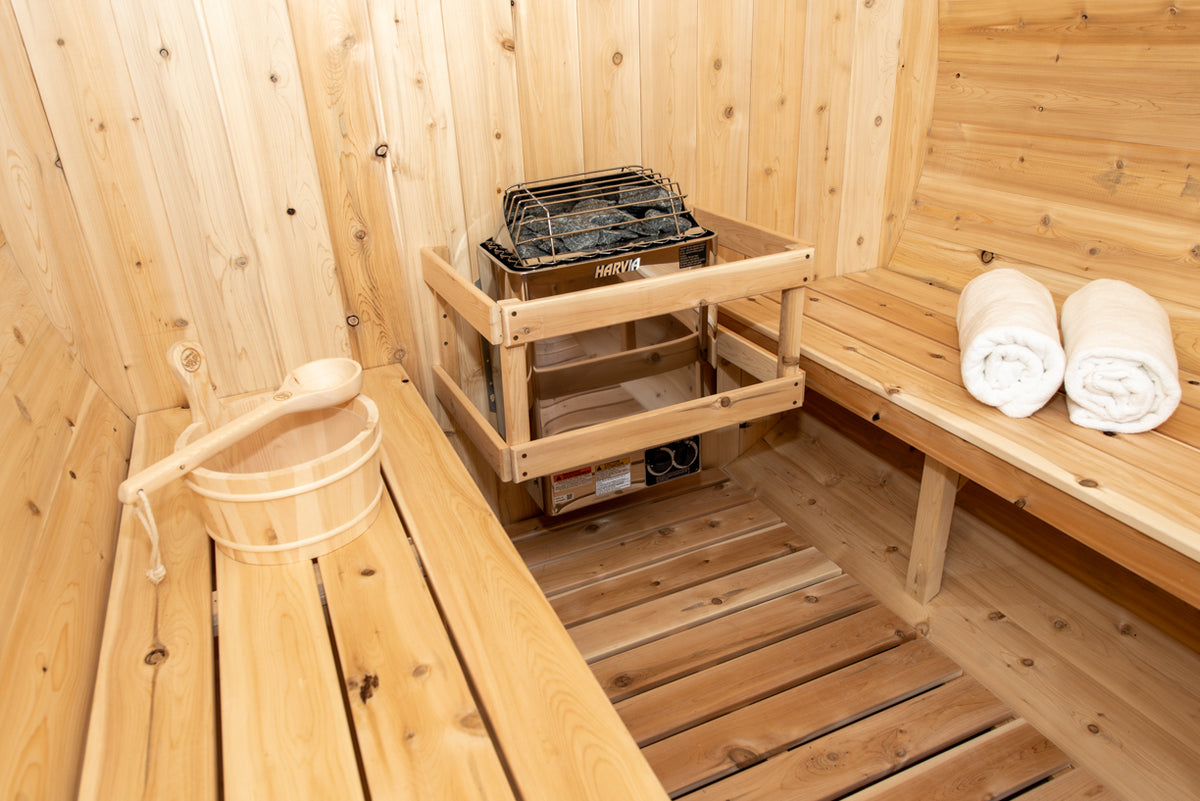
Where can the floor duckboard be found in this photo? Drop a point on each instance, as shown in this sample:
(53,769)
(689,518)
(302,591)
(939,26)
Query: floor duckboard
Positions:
(747,665)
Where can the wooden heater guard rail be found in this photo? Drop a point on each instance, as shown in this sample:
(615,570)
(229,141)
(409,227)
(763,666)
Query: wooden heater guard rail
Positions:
(514,324)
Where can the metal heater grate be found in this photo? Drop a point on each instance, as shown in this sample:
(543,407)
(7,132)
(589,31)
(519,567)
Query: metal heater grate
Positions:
(589,215)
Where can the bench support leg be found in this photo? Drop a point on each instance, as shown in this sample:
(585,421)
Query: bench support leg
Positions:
(935,510)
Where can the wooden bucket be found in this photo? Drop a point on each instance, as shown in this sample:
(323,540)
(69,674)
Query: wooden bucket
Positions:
(301,487)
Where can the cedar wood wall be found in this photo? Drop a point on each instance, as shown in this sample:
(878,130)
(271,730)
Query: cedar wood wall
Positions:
(251,173)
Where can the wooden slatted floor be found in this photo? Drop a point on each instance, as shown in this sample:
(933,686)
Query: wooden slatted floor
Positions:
(749,666)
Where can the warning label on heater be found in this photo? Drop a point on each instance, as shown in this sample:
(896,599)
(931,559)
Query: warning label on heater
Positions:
(613,476)
(563,484)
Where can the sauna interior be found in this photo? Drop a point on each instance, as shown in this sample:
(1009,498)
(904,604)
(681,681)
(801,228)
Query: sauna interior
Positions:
(273,179)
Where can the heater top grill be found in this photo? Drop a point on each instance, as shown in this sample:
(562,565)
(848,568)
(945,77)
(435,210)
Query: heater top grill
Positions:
(590,215)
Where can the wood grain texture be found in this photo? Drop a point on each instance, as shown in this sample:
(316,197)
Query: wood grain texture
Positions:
(418,730)
(50,653)
(89,102)
(724,55)
(870,749)
(776,82)
(559,733)
(670,89)
(152,732)
(41,228)
(410,46)
(547,40)
(874,67)
(42,400)
(338,70)
(288,735)
(636,670)
(828,58)
(192,166)
(610,76)
(761,730)
(254,59)
(912,114)
(1120,35)
(931,531)
(20,316)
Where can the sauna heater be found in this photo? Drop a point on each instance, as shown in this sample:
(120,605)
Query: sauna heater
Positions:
(590,230)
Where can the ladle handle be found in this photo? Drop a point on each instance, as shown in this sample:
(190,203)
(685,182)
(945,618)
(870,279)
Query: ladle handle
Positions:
(185,460)
(187,361)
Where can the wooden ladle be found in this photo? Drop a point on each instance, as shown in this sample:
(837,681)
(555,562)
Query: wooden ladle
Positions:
(315,385)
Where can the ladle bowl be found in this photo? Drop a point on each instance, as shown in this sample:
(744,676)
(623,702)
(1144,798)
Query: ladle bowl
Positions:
(314,385)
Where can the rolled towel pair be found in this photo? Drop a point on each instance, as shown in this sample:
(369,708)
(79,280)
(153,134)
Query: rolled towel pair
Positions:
(1119,364)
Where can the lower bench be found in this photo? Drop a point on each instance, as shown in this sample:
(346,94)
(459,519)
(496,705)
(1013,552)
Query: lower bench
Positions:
(419,661)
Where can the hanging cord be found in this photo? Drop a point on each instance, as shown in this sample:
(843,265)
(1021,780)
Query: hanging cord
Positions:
(158,571)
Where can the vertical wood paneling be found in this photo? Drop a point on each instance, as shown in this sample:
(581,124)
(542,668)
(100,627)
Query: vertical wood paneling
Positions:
(911,116)
(49,659)
(723,120)
(42,231)
(481,52)
(164,46)
(776,85)
(547,41)
(254,59)
(872,93)
(414,79)
(337,62)
(828,53)
(89,101)
(610,71)
(670,89)
(483,83)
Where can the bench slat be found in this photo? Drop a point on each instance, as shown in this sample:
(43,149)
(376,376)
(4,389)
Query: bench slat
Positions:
(153,724)
(284,732)
(560,736)
(410,702)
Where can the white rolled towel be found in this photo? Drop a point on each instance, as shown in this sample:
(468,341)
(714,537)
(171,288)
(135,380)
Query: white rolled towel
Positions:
(1011,356)
(1122,371)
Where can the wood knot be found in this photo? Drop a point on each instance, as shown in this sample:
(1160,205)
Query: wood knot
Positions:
(368,686)
(622,681)
(743,757)
(156,656)
(1089,483)
(996,615)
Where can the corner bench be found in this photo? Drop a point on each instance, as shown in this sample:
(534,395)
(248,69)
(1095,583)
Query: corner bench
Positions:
(883,343)
(420,660)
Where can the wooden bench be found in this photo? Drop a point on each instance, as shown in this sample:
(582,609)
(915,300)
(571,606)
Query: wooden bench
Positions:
(883,343)
(419,661)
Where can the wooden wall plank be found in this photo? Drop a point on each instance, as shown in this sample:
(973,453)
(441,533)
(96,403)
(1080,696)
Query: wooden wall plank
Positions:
(670,87)
(912,114)
(20,316)
(39,405)
(776,82)
(1157,107)
(89,102)
(1134,179)
(828,53)
(254,59)
(548,75)
(414,79)
(877,29)
(610,71)
(1113,34)
(1155,253)
(339,71)
(724,51)
(49,659)
(189,155)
